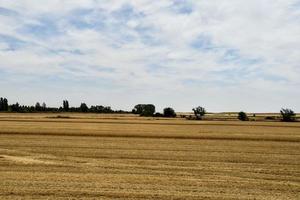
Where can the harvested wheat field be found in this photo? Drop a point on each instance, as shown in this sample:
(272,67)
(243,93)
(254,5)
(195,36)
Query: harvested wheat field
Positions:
(78,156)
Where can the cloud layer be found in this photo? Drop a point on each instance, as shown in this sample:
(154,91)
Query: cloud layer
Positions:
(225,55)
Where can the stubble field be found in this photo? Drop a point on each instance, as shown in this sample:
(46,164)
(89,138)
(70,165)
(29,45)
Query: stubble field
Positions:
(127,157)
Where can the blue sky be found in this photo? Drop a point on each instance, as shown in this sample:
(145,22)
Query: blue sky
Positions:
(225,55)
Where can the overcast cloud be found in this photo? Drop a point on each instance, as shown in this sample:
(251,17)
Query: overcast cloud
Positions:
(226,55)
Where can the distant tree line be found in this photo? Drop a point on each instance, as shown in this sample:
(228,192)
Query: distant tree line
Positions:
(148,110)
(145,110)
(5,107)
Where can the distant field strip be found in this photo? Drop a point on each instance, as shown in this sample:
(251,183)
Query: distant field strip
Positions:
(157,122)
(102,128)
(106,159)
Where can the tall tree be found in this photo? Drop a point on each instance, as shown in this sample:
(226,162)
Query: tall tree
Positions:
(66,105)
(5,104)
(1,104)
(199,112)
(44,107)
(38,107)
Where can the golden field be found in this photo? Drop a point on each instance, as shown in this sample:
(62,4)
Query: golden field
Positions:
(92,156)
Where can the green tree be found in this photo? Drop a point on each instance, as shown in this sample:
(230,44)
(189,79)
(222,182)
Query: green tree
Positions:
(169,112)
(15,107)
(146,110)
(1,104)
(38,107)
(288,115)
(243,116)
(66,105)
(5,104)
(84,107)
(44,107)
(138,109)
(199,112)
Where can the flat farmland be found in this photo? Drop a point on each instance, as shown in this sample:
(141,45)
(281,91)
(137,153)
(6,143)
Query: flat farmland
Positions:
(89,156)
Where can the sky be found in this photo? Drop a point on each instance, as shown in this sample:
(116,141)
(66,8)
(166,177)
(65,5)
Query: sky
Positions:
(224,55)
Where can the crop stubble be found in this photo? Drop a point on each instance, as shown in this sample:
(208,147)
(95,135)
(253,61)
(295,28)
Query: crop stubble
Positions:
(140,158)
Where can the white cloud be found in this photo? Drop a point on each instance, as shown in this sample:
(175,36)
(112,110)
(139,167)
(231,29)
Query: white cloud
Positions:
(154,48)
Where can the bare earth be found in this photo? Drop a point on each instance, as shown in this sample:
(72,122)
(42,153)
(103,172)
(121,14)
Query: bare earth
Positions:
(127,157)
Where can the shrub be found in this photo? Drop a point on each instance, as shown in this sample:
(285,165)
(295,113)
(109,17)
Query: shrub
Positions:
(270,118)
(288,115)
(169,112)
(60,117)
(190,117)
(243,116)
(158,114)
